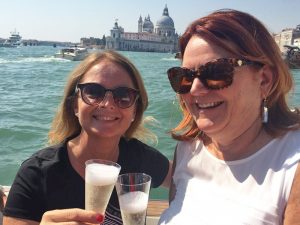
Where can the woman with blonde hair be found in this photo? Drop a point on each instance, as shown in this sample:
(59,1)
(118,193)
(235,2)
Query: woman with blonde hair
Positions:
(100,117)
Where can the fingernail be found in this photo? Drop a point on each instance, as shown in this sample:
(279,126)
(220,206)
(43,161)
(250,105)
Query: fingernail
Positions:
(100,218)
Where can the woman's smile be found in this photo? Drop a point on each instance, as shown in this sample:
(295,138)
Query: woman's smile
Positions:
(208,105)
(105,118)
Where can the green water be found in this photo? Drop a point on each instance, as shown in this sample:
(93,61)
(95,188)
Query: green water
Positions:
(31,86)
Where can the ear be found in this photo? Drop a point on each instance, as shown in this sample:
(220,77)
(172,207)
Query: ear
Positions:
(76,106)
(134,114)
(266,82)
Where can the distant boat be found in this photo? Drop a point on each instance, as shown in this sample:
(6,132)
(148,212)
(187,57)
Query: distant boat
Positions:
(177,55)
(14,40)
(292,56)
(72,53)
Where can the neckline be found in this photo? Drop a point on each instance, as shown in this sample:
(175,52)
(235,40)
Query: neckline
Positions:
(69,164)
(243,160)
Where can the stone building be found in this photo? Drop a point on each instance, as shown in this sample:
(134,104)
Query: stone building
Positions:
(288,36)
(161,38)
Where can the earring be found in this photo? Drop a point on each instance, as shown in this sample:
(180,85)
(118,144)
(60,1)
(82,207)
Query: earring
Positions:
(264,112)
(132,120)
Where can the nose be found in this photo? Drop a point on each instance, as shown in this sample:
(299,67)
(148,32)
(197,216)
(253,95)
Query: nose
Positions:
(198,88)
(108,100)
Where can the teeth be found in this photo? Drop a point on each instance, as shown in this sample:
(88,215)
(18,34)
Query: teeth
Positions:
(105,118)
(208,105)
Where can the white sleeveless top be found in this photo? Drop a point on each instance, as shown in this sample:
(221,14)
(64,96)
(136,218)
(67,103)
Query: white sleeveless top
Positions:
(251,191)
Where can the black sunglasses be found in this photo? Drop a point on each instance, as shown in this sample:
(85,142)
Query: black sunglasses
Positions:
(214,75)
(93,94)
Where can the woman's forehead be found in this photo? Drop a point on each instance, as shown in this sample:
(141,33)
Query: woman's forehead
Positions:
(108,72)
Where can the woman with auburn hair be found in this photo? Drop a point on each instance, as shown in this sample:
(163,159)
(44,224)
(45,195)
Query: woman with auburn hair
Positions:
(100,117)
(238,151)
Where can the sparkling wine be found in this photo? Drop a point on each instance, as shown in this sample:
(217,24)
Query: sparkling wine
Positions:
(99,183)
(133,207)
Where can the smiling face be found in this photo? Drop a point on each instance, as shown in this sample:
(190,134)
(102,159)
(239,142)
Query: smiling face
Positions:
(226,112)
(106,119)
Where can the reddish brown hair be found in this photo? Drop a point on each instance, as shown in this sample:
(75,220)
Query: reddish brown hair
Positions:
(246,37)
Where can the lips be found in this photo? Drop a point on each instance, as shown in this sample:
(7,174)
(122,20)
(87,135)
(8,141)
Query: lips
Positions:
(105,118)
(208,105)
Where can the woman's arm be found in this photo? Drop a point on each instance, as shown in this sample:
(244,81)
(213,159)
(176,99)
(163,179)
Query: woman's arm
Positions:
(65,216)
(168,179)
(16,221)
(292,215)
(172,190)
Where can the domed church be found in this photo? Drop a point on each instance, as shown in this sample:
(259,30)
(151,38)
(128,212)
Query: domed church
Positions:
(161,38)
(165,25)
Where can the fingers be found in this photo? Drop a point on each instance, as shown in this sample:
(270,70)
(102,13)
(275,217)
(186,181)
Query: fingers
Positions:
(69,215)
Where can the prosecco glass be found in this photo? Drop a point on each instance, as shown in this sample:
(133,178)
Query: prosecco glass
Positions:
(133,193)
(100,178)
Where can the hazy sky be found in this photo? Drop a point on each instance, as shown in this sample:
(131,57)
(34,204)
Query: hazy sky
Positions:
(69,20)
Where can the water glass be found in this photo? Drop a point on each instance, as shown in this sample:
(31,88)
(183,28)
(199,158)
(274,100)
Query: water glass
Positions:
(133,193)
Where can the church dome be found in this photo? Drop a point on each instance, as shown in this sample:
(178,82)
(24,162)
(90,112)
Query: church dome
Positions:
(165,21)
(148,25)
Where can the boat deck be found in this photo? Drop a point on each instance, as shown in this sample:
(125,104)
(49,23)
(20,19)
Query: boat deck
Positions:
(155,209)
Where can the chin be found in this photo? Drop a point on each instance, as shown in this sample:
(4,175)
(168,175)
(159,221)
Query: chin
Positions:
(104,133)
(204,123)
(208,126)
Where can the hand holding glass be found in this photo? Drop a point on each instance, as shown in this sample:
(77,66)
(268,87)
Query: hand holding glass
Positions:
(133,193)
(100,178)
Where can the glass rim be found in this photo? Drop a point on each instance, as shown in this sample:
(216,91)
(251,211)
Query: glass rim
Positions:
(148,177)
(102,161)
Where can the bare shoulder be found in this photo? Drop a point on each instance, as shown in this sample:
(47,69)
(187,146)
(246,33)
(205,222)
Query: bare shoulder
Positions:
(17,221)
(292,215)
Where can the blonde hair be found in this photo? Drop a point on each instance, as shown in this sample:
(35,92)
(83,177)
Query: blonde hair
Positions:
(65,124)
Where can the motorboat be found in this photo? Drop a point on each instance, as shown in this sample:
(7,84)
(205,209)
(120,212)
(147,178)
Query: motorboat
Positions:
(292,56)
(72,53)
(14,40)
(177,55)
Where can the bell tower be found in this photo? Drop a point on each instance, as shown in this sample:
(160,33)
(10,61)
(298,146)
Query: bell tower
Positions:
(140,25)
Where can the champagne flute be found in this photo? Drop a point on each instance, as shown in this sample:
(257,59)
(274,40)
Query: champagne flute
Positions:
(133,193)
(100,178)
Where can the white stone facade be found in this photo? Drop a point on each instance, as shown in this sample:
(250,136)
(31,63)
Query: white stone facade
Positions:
(162,38)
(288,36)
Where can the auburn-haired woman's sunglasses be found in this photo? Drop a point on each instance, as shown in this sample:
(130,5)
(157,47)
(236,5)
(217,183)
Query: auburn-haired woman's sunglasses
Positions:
(214,75)
(94,93)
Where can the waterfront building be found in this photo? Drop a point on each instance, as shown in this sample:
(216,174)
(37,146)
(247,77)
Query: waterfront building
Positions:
(288,36)
(93,42)
(161,38)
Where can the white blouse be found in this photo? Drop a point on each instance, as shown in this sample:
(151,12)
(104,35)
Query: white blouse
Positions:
(253,191)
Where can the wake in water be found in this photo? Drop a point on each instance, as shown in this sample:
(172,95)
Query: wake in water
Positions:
(43,59)
(172,58)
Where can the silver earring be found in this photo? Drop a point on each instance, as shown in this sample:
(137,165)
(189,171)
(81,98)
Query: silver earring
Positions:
(265,112)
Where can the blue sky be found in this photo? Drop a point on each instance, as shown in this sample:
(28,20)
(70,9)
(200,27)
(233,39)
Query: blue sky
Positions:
(69,20)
